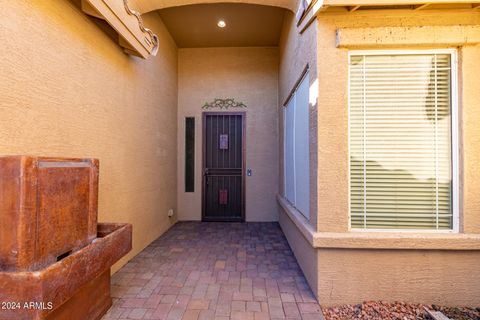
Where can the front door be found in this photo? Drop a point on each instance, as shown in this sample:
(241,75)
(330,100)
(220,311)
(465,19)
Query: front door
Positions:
(223,166)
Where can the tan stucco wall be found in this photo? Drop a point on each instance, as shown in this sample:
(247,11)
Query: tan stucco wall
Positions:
(470,102)
(355,267)
(68,90)
(431,277)
(249,75)
(297,51)
(353,275)
(406,268)
(306,255)
(333,194)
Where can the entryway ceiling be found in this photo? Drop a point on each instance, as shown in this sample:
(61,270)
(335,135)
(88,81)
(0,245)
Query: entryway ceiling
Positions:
(144,6)
(247,25)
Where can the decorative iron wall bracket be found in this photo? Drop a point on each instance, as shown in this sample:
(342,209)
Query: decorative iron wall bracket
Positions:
(134,37)
(223,104)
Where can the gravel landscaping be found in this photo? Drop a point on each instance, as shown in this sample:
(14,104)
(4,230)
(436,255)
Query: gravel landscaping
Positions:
(396,311)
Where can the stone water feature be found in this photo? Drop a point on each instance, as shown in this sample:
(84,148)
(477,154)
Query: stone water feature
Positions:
(55,258)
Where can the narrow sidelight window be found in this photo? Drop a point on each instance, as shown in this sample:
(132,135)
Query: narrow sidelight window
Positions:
(403,140)
(189,154)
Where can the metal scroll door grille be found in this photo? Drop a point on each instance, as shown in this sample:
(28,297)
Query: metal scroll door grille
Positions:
(223,191)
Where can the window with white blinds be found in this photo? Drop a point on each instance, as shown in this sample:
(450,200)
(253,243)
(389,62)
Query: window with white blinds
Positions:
(401,159)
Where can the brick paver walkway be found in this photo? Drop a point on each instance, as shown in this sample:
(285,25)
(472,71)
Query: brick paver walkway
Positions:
(215,271)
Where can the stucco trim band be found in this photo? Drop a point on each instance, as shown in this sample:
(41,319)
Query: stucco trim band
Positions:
(412,241)
(408,36)
(379,240)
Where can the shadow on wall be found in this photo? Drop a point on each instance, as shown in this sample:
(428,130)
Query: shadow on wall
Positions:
(100,23)
(396,198)
(72,24)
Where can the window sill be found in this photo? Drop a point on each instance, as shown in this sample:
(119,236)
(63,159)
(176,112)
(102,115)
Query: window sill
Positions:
(380,240)
(405,241)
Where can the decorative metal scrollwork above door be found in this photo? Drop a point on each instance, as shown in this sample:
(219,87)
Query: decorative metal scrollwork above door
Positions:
(223,104)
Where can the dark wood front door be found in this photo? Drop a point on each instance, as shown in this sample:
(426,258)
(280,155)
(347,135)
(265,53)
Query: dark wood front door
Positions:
(223,166)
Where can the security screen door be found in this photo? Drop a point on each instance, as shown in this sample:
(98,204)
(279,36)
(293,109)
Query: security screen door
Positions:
(223,166)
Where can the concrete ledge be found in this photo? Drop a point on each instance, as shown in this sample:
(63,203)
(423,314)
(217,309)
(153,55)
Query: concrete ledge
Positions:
(407,36)
(298,219)
(379,240)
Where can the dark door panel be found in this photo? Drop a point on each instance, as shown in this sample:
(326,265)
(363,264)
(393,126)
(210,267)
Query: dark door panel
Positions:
(223,167)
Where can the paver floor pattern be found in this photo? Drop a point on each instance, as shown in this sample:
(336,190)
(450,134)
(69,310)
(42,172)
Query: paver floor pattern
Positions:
(217,271)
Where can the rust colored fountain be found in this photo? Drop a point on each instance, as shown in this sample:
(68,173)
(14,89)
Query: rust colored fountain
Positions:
(54,258)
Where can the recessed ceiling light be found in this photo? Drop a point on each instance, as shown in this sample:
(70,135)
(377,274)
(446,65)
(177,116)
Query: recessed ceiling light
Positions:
(221,24)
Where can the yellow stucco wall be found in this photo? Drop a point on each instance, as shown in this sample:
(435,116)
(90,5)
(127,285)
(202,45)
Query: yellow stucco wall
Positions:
(297,51)
(470,115)
(420,276)
(305,253)
(333,107)
(353,275)
(68,90)
(401,271)
(249,75)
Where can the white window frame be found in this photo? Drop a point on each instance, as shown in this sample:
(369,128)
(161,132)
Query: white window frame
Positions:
(454,132)
(304,77)
(284,151)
